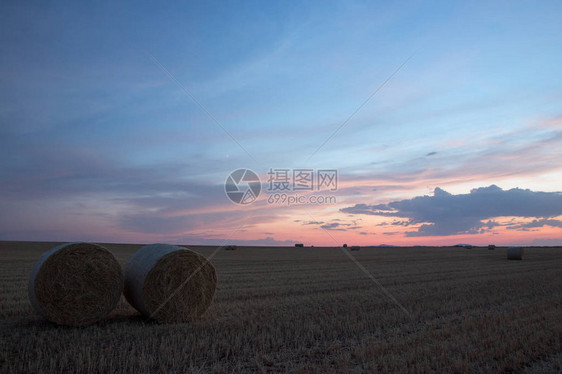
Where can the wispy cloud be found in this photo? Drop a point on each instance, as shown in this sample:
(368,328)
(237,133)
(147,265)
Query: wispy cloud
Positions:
(333,226)
(536,223)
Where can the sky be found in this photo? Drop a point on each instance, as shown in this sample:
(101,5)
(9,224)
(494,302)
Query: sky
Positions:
(121,122)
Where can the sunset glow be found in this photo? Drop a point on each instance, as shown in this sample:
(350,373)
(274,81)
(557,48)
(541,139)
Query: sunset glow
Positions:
(127,133)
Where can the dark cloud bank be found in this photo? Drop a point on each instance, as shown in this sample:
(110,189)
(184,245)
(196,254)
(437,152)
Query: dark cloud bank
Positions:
(472,213)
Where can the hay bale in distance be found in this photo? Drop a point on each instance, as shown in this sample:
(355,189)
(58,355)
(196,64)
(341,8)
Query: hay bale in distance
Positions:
(169,283)
(467,246)
(76,284)
(491,247)
(299,245)
(515,253)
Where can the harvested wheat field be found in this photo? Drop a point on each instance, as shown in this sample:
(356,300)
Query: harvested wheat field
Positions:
(312,310)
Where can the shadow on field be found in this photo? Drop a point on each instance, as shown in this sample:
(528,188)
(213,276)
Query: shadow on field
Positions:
(38,324)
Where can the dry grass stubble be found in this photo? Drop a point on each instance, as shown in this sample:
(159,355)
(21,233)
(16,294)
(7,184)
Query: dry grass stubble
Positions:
(313,311)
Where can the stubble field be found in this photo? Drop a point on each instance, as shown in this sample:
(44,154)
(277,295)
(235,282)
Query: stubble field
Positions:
(313,310)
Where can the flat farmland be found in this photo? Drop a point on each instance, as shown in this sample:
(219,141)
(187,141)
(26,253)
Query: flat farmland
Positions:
(309,310)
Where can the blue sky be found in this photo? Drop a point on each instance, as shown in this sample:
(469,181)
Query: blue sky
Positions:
(98,143)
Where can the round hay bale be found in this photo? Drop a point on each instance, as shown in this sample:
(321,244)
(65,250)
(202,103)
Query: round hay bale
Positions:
(515,253)
(76,284)
(169,283)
